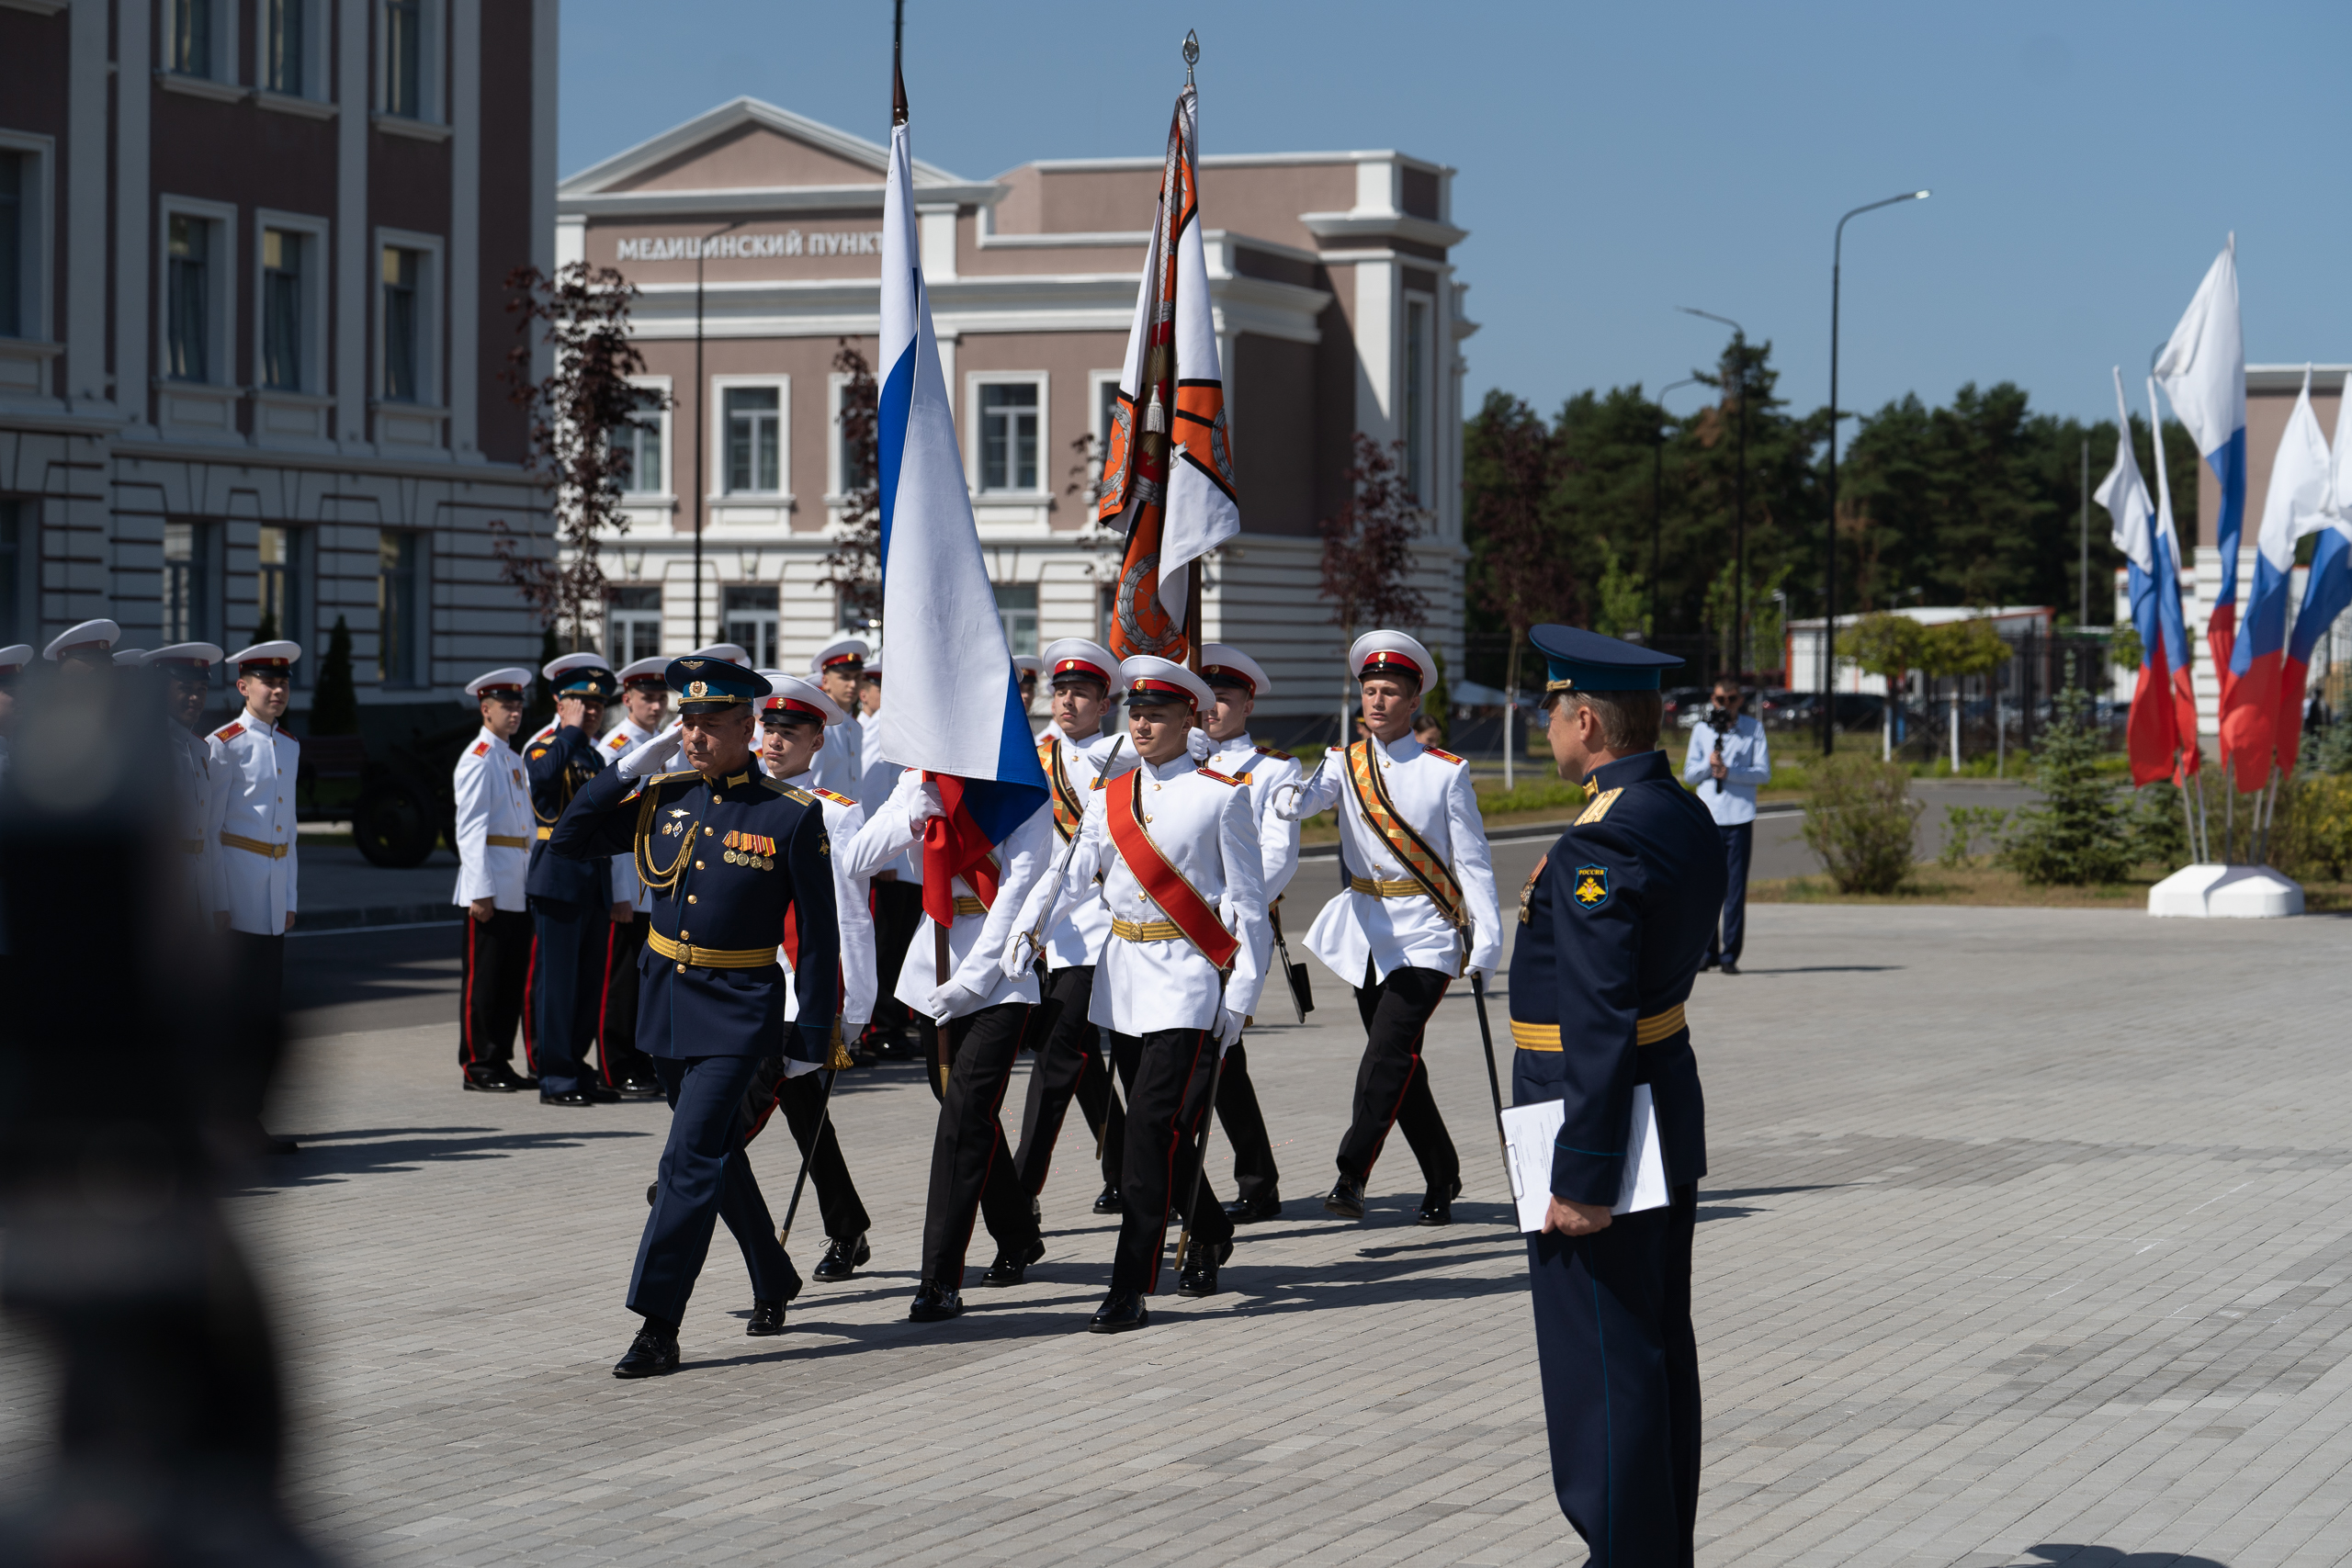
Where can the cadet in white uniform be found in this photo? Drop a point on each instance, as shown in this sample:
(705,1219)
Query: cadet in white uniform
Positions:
(1237,681)
(974,1023)
(898,885)
(837,671)
(254,763)
(1177,848)
(90,645)
(1030,666)
(797,723)
(645,698)
(1418,913)
(1078,759)
(493,843)
(185,668)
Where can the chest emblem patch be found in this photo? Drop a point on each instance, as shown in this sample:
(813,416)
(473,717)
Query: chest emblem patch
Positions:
(1592,885)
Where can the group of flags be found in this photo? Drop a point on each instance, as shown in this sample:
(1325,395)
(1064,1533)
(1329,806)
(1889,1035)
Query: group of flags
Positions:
(2258,667)
(1168,484)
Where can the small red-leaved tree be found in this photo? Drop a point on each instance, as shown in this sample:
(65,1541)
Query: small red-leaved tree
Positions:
(1368,553)
(853,566)
(581,314)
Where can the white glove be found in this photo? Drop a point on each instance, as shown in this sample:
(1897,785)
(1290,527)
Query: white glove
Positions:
(1199,747)
(1226,1030)
(952,1001)
(1020,955)
(653,755)
(927,803)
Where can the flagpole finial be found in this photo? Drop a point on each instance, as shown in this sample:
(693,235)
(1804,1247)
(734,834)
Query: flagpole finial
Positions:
(897,76)
(1191,53)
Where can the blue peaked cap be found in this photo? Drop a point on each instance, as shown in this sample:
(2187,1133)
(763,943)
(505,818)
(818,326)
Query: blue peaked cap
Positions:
(1580,661)
(707,685)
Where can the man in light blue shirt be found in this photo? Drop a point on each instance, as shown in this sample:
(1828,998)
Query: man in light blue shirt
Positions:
(1727,760)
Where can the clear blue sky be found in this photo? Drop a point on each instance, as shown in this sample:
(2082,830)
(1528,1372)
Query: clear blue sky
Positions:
(1618,161)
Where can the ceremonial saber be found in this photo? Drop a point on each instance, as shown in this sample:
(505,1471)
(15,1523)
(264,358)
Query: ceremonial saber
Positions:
(1494,1079)
(1201,1158)
(1290,970)
(824,1113)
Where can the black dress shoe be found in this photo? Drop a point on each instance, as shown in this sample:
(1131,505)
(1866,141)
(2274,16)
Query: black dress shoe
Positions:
(1346,1200)
(842,1258)
(1249,1210)
(598,1093)
(650,1188)
(639,1088)
(653,1352)
(767,1318)
(483,1082)
(1437,1208)
(1730,966)
(1012,1265)
(1108,1201)
(507,1075)
(1124,1310)
(933,1304)
(1199,1277)
(567,1096)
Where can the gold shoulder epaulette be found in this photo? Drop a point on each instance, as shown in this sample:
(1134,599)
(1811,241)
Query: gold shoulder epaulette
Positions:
(1599,807)
(1276,753)
(835,796)
(1442,756)
(1221,778)
(789,792)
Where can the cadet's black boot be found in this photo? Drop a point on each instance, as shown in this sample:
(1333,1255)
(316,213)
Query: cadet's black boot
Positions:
(1199,1277)
(1121,1310)
(507,1078)
(767,1318)
(598,1093)
(486,1081)
(933,1304)
(1012,1265)
(1109,1202)
(842,1258)
(1249,1210)
(653,1352)
(1346,1200)
(1437,1208)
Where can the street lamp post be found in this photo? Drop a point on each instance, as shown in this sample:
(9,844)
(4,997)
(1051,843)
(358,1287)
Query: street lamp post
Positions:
(1829,545)
(1738,496)
(702,449)
(1657,491)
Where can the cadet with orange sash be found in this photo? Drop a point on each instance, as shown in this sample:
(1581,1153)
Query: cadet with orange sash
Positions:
(1177,848)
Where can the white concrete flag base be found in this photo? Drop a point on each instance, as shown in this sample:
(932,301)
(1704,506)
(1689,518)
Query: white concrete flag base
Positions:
(2226,892)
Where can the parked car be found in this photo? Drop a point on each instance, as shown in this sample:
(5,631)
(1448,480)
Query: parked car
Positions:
(1852,710)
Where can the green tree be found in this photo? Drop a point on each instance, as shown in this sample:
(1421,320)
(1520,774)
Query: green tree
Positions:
(1860,819)
(335,706)
(2078,834)
(1621,601)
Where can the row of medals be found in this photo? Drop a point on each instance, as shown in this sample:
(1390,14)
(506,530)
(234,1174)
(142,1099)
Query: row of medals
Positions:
(745,857)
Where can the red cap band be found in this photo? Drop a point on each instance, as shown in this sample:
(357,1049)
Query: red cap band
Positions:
(1208,671)
(1169,687)
(791,704)
(1080,667)
(264,664)
(844,659)
(1389,658)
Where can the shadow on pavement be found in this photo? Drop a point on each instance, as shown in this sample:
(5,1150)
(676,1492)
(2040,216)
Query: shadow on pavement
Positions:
(1822,969)
(320,1158)
(2074,1556)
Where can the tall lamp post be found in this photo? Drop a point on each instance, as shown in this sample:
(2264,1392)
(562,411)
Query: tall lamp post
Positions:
(1657,491)
(1829,545)
(1738,496)
(702,449)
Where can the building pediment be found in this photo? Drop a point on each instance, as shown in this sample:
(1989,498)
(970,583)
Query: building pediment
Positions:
(745,146)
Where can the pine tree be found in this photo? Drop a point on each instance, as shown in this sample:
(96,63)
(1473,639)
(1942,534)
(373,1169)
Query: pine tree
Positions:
(335,708)
(2078,834)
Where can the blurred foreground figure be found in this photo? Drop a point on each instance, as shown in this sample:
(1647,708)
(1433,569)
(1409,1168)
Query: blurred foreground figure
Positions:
(168,1426)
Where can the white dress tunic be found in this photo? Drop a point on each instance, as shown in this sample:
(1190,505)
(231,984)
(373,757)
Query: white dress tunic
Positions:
(254,763)
(494,824)
(1076,937)
(197,849)
(844,819)
(1262,771)
(1203,824)
(1432,792)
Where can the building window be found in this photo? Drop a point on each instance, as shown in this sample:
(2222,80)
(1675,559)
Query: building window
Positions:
(400,627)
(281,310)
(189,47)
(749,616)
(641,443)
(634,618)
(1016,608)
(277,610)
(283,36)
(859,610)
(854,459)
(403,324)
(1417,398)
(15,169)
(404,58)
(1008,435)
(188,300)
(186,547)
(754,431)
(13,529)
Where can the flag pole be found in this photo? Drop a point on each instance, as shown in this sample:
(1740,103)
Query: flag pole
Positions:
(939,952)
(1192,566)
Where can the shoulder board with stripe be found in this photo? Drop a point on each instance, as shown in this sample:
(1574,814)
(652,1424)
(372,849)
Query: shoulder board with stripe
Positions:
(482,748)
(790,792)
(1442,756)
(1212,773)
(672,778)
(1599,807)
(1277,754)
(538,751)
(834,795)
(619,742)
(229,733)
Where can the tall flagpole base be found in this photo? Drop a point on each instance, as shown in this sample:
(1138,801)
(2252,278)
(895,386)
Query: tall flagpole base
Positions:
(2227,893)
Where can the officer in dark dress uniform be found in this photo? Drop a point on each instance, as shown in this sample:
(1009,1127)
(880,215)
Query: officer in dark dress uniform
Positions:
(571,900)
(726,852)
(1613,927)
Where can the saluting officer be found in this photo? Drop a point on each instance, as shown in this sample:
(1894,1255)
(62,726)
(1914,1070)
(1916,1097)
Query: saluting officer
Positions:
(1237,681)
(838,670)
(493,842)
(977,1018)
(1419,912)
(1613,924)
(797,722)
(1079,759)
(254,763)
(187,671)
(730,854)
(645,699)
(1177,848)
(571,902)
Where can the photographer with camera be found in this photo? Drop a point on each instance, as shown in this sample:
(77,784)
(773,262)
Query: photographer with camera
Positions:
(1727,760)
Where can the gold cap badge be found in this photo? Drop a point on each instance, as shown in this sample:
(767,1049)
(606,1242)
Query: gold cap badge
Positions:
(698,689)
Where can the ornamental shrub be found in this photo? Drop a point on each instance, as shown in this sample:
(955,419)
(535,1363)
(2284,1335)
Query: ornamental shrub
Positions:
(2078,834)
(2312,839)
(1859,817)
(335,706)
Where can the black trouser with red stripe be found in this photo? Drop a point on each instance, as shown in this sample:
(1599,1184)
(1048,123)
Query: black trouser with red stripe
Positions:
(1166,1101)
(1392,1083)
(616,1052)
(497,958)
(1070,1065)
(971,1165)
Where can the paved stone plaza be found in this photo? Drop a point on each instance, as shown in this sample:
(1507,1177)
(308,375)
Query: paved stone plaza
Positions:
(2029,1240)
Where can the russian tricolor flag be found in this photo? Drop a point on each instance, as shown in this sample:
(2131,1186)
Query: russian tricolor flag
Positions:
(2202,369)
(2169,620)
(2298,491)
(955,710)
(2327,590)
(2151,737)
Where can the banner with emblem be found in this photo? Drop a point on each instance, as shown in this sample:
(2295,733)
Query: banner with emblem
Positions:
(1168,481)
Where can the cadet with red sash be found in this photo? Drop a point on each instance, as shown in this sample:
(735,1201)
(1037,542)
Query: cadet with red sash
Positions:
(1419,912)
(1177,848)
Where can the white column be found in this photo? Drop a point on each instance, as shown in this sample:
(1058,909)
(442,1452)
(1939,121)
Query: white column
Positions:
(354,245)
(85,185)
(132,204)
(465,227)
(936,226)
(543,133)
(1375,331)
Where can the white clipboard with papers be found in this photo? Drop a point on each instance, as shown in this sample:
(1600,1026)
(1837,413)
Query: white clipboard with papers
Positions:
(1530,1132)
